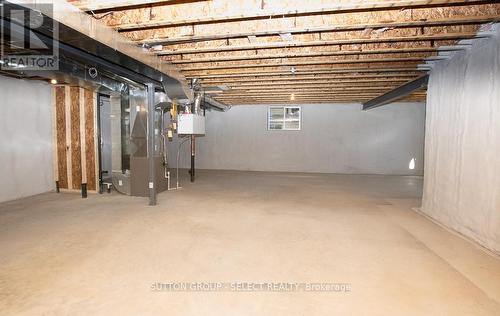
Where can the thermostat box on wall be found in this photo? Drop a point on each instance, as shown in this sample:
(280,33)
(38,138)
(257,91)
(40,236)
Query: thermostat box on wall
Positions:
(190,124)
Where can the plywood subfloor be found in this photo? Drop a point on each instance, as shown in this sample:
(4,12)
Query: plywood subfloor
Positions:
(65,255)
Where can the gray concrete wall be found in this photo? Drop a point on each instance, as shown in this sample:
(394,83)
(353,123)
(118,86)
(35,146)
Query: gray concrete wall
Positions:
(26,166)
(462,148)
(335,138)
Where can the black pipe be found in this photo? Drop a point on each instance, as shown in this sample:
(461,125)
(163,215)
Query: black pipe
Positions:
(57,187)
(99,140)
(192,157)
(84,190)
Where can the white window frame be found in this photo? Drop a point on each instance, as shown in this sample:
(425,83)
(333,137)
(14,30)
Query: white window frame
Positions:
(284,107)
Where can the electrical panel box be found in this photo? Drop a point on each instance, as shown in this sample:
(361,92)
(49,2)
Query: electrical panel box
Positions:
(190,124)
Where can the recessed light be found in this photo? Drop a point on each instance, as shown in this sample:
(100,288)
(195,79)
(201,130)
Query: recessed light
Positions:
(53,81)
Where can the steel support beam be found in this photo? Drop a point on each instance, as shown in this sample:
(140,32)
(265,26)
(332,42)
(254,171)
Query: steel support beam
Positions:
(151,143)
(397,93)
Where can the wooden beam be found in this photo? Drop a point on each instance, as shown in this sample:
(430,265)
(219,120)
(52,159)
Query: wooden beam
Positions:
(309,101)
(463,20)
(303,95)
(310,81)
(303,92)
(315,84)
(309,63)
(304,99)
(300,72)
(298,77)
(297,97)
(313,54)
(297,90)
(101,5)
(417,38)
(286,12)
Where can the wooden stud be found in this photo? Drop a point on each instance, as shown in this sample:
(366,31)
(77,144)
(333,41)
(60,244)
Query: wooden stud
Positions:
(83,135)
(75,144)
(67,109)
(60,134)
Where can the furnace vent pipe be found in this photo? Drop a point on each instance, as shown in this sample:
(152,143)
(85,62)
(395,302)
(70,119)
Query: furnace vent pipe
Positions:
(216,105)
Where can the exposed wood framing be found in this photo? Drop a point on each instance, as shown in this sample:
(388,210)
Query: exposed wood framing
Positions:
(321,29)
(265,50)
(83,135)
(67,130)
(100,5)
(261,46)
(75,139)
(302,10)
(307,63)
(312,54)
(299,72)
(60,131)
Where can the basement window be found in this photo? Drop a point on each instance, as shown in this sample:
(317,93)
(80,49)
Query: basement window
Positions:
(284,118)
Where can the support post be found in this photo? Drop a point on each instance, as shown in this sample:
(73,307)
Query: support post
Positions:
(84,190)
(193,151)
(151,143)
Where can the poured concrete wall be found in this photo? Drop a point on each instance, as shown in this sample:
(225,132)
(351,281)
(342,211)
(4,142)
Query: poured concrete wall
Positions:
(335,138)
(462,149)
(26,166)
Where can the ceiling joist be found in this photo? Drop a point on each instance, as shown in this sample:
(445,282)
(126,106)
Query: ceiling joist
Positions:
(259,46)
(334,28)
(305,72)
(264,51)
(313,54)
(354,6)
(307,63)
(114,5)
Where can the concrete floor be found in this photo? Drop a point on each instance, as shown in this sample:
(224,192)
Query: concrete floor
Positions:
(62,255)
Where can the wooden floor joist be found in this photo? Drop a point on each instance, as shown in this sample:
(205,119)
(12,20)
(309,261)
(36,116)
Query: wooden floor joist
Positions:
(304,71)
(315,82)
(263,51)
(314,77)
(260,46)
(106,5)
(312,54)
(305,10)
(308,63)
(333,28)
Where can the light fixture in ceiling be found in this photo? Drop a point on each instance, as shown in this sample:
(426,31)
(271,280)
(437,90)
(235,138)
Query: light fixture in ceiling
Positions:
(53,81)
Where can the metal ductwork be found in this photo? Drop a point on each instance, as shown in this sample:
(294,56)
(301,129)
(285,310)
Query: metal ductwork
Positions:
(198,98)
(216,105)
(85,60)
(201,98)
(175,90)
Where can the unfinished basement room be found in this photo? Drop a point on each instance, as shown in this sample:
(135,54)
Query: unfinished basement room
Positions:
(250,157)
